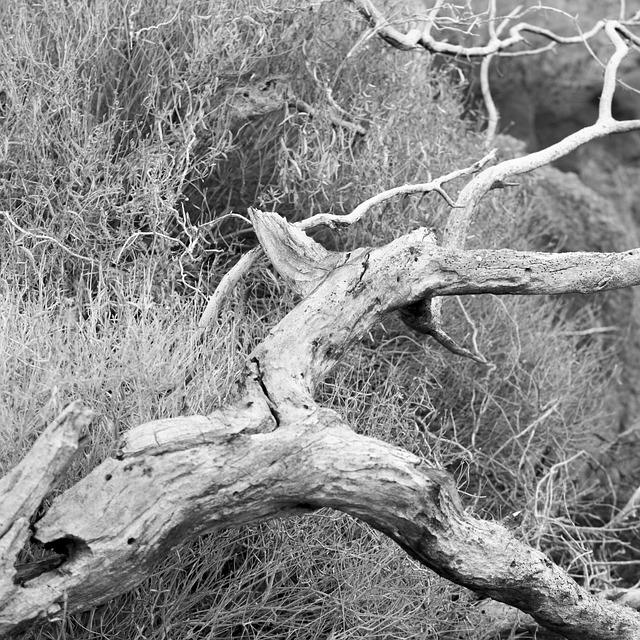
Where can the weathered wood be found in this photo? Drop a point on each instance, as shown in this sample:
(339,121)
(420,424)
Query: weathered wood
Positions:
(358,294)
(273,451)
(25,486)
(23,489)
(250,413)
(119,521)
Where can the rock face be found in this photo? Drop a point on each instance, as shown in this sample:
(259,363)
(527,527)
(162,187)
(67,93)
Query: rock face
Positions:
(542,99)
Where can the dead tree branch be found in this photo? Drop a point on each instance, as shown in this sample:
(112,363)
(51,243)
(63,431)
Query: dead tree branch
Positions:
(332,221)
(117,523)
(423,38)
(273,451)
(464,213)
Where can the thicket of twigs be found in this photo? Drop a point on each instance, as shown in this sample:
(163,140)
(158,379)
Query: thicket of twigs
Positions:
(135,135)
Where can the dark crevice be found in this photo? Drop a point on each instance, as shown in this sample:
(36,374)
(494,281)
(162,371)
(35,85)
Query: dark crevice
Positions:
(71,547)
(57,553)
(29,570)
(365,266)
(358,286)
(260,381)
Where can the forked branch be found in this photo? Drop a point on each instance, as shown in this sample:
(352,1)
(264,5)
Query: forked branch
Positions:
(273,452)
(462,216)
(422,38)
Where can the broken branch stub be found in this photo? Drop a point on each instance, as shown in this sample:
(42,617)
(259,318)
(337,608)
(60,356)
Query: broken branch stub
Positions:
(22,491)
(300,261)
(26,485)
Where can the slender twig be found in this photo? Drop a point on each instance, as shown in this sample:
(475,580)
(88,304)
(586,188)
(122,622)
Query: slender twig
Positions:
(304,107)
(493,116)
(336,221)
(243,266)
(432,14)
(46,238)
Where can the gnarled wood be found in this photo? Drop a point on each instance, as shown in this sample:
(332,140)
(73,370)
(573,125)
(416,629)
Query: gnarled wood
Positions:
(21,492)
(273,451)
(357,295)
(119,521)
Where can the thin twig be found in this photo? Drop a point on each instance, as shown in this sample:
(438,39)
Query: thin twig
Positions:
(422,39)
(337,221)
(46,238)
(493,117)
(303,107)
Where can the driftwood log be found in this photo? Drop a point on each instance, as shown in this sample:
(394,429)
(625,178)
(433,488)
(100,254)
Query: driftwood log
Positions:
(274,452)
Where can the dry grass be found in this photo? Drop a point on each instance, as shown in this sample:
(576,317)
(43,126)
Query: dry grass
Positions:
(106,267)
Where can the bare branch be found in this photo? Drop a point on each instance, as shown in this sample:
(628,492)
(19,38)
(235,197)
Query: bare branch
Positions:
(534,273)
(357,295)
(417,39)
(337,222)
(223,291)
(493,117)
(432,15)
(461,217)
(244,265)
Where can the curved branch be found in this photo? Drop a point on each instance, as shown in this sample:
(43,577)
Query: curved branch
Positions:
(461,217)
(119,521)
(337,222)
(332,221)
(274,453)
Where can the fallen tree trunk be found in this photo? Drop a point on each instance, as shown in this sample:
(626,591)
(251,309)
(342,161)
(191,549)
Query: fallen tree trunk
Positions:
(274,452)
(117,523)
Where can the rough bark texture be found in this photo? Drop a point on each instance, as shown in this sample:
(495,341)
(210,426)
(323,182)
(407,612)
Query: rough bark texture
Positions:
(21,493)
(117,523)
(273,452)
